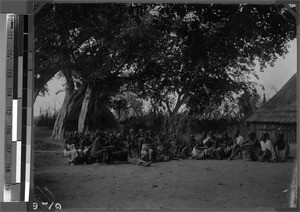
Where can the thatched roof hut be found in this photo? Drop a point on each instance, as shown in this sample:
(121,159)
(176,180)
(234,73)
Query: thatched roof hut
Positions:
(279,113)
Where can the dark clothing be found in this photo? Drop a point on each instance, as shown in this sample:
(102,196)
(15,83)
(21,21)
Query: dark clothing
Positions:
(120,155)
(99,151)
(74,141)
(280,144)
(223,142)
(264,155)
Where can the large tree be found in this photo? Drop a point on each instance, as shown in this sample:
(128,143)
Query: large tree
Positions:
(91,42)
(206,52)
(174,54)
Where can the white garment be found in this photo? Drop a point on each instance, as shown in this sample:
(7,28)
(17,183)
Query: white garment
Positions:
(268,145)
(239,140)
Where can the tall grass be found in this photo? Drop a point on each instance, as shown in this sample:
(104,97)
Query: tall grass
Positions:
(46,118)
(182,124)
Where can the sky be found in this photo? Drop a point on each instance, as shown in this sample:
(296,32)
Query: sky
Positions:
(273,78)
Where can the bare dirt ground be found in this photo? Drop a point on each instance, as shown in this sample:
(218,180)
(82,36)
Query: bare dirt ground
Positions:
(183,184)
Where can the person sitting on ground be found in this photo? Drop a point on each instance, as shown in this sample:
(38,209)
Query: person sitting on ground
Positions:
(226,144)
(88,159)
(173,148)
(98,150)
(245,147)
(281,147)
(218,151)
(132,144)
(120,153)
(210,143)
(115,134)
(198,151)
(85,142)
(160,149)
(140,139)
(147,151)
(239,139)
(248,147)
(138,161)
(186,151)
(72,151)
(78,137)
(267,153)
(123,133)
(199,148)
(110,141)
(256,150)
(85,145)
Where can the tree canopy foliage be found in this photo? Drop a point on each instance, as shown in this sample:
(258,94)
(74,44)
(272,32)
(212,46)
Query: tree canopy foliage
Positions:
(207,51)
(172,54)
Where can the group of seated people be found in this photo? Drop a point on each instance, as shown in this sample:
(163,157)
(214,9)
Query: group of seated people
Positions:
(250,148)
(143,148)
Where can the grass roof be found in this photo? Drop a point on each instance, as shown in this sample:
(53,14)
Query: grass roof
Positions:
(281,108)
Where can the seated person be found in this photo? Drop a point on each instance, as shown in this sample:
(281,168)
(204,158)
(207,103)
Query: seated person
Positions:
(72,151)
(239,139)
(147,151)
(210,142)
(86,143)
(256,150)
(132,144)
(188,147)
(98,149)
(267,152)
(140,139)
(119,153)
(86,146)
(226,144)
(161,149)
(173,148)
(78,137)
(138,161)
(198,151)
(245,147)
(203,136)
(281,147)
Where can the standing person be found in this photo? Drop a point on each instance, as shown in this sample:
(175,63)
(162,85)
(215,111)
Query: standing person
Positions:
(281,147)
(267,150)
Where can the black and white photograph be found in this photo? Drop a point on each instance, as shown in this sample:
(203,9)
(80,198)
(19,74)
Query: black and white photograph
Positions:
(165,106)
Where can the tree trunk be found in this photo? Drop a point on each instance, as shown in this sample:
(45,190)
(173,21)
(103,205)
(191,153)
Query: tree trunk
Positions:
(59,125)
(82,122)
(71,98)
